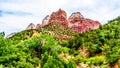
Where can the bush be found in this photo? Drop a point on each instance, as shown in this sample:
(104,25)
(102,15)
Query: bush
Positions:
(97,60)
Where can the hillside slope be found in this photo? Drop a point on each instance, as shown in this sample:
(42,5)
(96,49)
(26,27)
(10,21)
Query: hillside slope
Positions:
(103,43)
(98,48)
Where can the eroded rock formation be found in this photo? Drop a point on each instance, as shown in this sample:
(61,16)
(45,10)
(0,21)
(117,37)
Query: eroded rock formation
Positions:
(30,26)
(81,24)
(76,21)
(60,16)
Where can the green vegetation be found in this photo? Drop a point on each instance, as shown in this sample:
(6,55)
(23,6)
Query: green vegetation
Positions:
(2,33)
(58,29)
(97,48)
(104,41)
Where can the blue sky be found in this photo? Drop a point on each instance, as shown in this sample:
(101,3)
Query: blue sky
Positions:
(15,15)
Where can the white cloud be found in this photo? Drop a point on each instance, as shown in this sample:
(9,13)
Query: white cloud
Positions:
(14,23)
(101,10)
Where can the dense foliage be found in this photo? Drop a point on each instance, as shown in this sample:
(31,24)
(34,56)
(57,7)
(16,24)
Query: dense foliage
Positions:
(104,41)
(97,48)
(39,51)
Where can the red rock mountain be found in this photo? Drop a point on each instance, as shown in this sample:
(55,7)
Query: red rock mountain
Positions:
(76,21)
(30,26)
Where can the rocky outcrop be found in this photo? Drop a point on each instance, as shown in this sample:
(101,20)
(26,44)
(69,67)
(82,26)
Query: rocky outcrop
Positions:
(60,16)
(30,26)
(75,17)
(81,24)
(10,35)
(45,22)
(76,21)
(37,26)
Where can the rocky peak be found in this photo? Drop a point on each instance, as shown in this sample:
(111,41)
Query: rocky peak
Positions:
(38,26)
(30,26)
(59,16)
(81,24)
(46,19)
(75,17)
(45,22)
(76,21)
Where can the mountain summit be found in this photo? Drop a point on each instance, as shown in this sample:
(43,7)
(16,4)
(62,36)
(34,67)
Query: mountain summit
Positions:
(76,21)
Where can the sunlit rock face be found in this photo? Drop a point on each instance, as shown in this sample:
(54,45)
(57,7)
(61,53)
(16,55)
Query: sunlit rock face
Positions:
(59,16)
(75,17)
(80,24)
(76,21)
(30,26)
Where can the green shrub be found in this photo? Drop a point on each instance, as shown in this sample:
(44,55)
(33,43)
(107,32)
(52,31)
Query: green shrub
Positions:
(97,60)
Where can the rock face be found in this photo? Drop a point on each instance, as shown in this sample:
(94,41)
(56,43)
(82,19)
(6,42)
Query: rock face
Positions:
(45,22)
(75,17)
(30,26)
(80,24)
(37,26)
(10,35)
(76,21)
(60,16)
